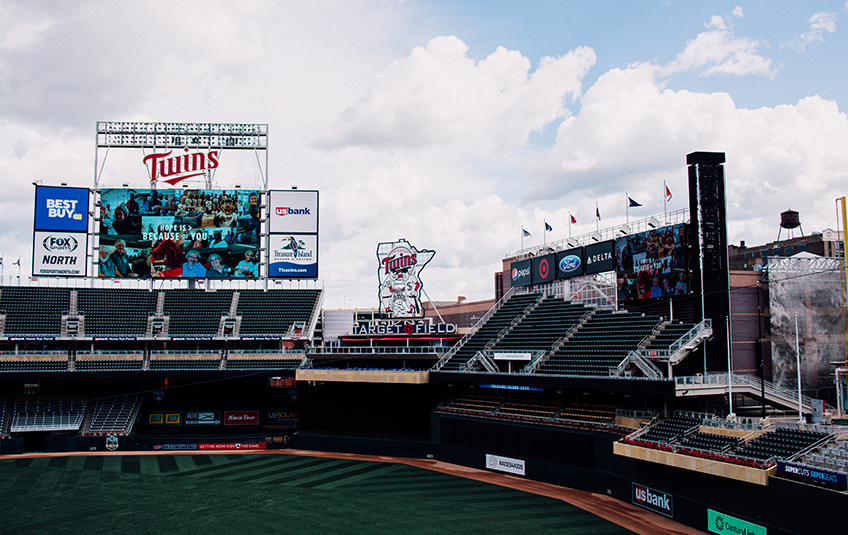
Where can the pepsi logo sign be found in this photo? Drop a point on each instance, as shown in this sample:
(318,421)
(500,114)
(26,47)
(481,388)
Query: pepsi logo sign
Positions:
(519,273)
(569,263)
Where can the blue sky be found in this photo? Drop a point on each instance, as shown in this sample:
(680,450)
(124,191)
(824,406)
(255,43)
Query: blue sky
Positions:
(450,124)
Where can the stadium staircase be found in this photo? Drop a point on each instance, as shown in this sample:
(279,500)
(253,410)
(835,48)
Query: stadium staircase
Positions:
(717,384)
(488,330)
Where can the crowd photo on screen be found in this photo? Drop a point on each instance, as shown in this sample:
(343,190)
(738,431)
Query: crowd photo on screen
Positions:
(652,264)
(189,233)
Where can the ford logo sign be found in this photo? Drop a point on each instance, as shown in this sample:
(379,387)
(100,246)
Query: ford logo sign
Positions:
(569,263)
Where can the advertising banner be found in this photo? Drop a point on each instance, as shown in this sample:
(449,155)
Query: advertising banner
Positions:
(241,418)
(599,257)
(543,268)
(570,263)
(505,464)
(231,446)
(520,273)
(652,264)
(59,254)
(61,208)
(190,233)
(281,416)
(164,418)
(655,500)
(293,211)
(725,524)
(812,475)
(203,418)
(293,256)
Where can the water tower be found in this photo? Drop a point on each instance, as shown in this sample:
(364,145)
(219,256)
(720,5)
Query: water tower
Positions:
(789,220)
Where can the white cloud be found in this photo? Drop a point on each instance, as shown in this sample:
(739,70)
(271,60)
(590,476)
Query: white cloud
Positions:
(820,23)
(737,12)
(632,133)
(719,51)
(438,96)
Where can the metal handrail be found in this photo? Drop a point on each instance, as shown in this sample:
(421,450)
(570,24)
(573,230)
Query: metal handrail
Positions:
(456,347)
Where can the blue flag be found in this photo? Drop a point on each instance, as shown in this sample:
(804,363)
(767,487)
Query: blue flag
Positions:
(633,203)
(548,228)
(526,234)
(597,213)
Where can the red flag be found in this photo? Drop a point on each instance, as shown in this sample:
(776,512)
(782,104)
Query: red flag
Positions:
(667,194)
(573,219)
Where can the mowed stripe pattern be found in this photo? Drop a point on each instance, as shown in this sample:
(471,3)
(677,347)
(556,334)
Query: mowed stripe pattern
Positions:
(267,493)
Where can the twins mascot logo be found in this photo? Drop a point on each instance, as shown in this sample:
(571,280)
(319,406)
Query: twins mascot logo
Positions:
(399,275)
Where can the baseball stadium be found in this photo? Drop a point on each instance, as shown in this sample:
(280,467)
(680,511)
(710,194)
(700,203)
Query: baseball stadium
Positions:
(170,365)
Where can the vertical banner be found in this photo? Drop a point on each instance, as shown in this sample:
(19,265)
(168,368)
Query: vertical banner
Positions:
(293,228)
(60,234)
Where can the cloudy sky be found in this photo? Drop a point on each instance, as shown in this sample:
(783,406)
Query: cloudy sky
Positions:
(451,124)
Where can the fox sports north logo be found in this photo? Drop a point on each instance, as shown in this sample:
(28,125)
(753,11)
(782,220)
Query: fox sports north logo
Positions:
(55,243)
(569,263)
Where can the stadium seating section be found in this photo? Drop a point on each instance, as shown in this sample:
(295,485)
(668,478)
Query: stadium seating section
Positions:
(121,312)
(47,415)
(113,416)
(601,343)
(552,412)
(33,310)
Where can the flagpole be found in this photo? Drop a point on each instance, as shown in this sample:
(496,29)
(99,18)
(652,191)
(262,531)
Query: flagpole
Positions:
(665,204)
(522,237)
(627,208)
(545,235)
(569,224)
(596,216)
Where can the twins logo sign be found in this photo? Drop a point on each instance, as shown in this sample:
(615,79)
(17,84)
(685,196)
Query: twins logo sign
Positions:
(399,270)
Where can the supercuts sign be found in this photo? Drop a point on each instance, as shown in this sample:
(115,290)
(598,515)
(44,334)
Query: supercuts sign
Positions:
(655,500)
(399,274)
(173,166)
(600,257)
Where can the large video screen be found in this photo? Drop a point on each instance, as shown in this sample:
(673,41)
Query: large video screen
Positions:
(652,264)
(192,233)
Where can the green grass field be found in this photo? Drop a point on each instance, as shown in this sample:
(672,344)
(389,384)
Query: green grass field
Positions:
(207,494)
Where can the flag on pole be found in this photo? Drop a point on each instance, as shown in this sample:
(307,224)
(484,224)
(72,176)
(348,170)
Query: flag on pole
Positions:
(667,194)
(573,219)
(17,262)
(597,213)
(548,228)
(633,203)
(526,234)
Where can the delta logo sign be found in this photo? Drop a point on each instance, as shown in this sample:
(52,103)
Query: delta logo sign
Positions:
(171,168)
(654,500)
(61,208)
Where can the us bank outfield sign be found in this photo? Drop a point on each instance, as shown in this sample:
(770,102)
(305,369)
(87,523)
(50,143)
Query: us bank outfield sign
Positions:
(399,274)
(654,500)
